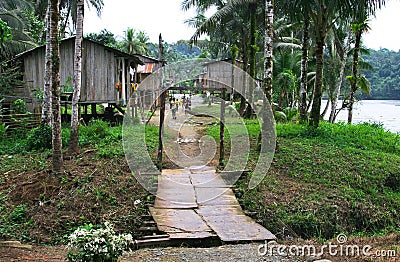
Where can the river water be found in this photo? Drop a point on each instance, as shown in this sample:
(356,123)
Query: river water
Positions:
(386,112)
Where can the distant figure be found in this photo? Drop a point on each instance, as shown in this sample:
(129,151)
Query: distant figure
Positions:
(173,112)
(186,105)
(175,108)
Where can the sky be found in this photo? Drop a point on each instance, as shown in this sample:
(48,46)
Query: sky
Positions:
(152,16)
(166,17)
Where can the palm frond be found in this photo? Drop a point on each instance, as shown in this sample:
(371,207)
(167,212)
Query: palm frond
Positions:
(364,84)
(288,46)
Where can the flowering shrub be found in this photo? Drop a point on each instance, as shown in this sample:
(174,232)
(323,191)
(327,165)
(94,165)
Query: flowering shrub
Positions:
(102,244)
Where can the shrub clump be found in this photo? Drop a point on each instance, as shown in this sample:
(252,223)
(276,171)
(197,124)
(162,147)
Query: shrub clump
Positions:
(102,244)
(39,138)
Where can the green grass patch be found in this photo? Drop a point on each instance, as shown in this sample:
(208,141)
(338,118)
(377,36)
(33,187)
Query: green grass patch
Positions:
(338,178)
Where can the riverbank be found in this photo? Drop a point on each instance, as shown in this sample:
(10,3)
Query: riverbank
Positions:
(383,112)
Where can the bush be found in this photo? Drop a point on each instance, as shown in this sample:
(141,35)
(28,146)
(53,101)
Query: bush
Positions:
(19,107)
(3,129)
(102,244)
(94,131)
(39,138)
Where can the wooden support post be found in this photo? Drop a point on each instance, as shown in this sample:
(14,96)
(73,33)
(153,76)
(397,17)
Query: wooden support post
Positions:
(141,94)
(222,130)
(162,106)
(94,110)
(123,92)
(161,131)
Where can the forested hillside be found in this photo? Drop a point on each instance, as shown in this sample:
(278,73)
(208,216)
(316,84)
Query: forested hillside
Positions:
(385,80)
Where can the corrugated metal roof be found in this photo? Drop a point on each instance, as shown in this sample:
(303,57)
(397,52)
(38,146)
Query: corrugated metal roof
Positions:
(146,68)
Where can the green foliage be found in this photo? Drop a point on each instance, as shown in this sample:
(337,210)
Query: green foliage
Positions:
(96,129)
(97,244)
(365,136)
(13,219)
(177,51)
(9,78)
(337,178)
(288,114)
(67,87)
(19,107)
(291,113)
(104,37)
(38,93)
(39,138)
(3,129)
(5,33)
(280,116)
(18,215)
(35,26)
(385,78)
(13,142)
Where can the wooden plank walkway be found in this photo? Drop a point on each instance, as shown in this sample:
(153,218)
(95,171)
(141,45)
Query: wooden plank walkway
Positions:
(196,203)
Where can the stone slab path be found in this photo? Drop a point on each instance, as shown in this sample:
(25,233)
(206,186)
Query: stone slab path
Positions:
(196,203)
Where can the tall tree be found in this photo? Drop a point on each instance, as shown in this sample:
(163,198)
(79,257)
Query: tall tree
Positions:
(304,69)
(46,103)
(73,143)
(358,27)
(58,165)
(13,13)
(345,48)
(252,55)
(104,37)
(323,14)
(135,42)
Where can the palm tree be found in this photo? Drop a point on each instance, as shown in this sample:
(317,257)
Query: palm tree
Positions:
(324,13)
(341,49)
(358,27)
(69,8)
(136,42)
(54,57)
(46,103)
(73,143)
(286,73)
(12,13)
(225,14)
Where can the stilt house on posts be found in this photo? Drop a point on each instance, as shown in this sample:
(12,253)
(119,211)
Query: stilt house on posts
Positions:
(109,76)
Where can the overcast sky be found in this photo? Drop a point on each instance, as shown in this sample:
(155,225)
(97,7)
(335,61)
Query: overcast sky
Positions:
(165,16)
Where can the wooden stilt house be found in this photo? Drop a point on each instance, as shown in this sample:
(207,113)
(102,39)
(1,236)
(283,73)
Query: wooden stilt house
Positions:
(107,73)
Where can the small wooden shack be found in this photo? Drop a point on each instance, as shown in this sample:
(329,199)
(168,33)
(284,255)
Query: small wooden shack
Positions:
(108,75)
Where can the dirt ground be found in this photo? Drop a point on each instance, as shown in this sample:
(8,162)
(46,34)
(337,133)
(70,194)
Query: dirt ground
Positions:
(239,252)
(33,253)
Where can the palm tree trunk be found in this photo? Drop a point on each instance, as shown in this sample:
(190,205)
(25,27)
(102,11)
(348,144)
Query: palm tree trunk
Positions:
(73,143)
(63,26)
(267,133)
(268,49)
(242,106)
(252,58)
(320,43)
(332,116)
(46,104)
(58,165)
(328,102)
(353,82)
(304,71)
